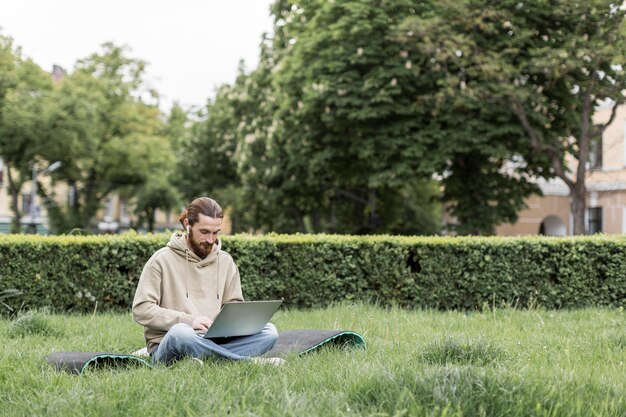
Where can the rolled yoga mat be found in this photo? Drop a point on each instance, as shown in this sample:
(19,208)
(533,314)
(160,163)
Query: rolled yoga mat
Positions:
(305,341)
(78,362)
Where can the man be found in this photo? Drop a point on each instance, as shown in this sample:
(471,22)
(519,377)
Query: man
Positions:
(184,285)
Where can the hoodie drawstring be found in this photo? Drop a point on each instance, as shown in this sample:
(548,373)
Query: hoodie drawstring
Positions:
(187,272)
(217,279)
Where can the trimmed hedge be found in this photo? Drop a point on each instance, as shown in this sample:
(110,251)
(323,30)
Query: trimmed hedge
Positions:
(68,273)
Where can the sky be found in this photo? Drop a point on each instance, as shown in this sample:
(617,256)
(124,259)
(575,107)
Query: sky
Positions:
(191,46)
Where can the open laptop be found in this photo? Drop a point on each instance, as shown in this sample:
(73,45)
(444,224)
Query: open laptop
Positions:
(242,318)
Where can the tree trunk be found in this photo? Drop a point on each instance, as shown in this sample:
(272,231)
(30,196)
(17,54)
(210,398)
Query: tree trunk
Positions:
(578,192)
(374,218)
(150,217)
(90,204)
(578,206)
(233,225)
(332,218)
(317,222)
(14,188)
(16,221)
(577,187)
(299,219)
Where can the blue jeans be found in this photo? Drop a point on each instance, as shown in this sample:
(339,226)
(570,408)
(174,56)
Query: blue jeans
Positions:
(182,340)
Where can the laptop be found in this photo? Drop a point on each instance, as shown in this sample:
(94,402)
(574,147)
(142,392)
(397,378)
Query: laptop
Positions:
(242,318)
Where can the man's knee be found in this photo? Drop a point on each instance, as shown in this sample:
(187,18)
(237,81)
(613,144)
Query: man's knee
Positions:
(180,332)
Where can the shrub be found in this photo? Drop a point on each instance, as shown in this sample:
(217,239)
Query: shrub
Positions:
(32,323)
(76,272)
(462,352)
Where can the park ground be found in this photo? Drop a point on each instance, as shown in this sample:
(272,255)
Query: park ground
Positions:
(497,362)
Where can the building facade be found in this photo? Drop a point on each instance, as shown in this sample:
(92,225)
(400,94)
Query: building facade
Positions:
(115,216)
(33,213)
(5,212)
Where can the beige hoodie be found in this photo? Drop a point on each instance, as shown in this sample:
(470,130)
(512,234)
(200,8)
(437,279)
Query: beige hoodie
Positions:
(176,286)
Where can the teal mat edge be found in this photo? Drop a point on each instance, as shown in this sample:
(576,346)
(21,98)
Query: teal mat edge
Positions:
(357,340)
(95,358)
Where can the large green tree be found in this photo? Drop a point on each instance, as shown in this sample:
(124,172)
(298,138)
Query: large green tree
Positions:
(351,130)
(549,64)
(294,146)
(106,130)
(206,165)
(159,191)
(263,203)
(24,109)
(478,144)
(228,155)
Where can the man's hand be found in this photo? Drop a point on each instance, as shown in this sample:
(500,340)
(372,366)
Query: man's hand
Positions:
(201,323)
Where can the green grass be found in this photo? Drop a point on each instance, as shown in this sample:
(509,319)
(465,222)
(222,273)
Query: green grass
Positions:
(417,363)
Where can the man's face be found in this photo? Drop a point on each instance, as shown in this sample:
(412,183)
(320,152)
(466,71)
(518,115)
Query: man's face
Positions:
(204,234)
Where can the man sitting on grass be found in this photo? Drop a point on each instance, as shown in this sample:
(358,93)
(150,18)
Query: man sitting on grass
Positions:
(185,284)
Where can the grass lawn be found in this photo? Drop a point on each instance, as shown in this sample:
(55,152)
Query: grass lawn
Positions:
(417,363)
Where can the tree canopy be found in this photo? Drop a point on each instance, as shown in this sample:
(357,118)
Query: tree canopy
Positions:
(24,90)
(362,116)
(546,64)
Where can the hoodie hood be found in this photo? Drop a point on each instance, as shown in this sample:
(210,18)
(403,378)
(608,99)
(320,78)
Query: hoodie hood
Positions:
(178,243)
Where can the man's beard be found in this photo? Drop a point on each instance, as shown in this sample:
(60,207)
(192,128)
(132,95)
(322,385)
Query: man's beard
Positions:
(201,249)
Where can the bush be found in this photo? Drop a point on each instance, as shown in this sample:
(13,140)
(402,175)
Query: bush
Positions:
(76,272)
(5,294)
(451,350)
(33,323)
(72,273)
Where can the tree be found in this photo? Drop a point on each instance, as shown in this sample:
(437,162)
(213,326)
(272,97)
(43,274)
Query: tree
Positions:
(207,163)
(549,64)
(230,141)
(306,170)
(351,131)
(157,192)
(178,130)
(262,203)
(104,132)
(477,144)
(23,110)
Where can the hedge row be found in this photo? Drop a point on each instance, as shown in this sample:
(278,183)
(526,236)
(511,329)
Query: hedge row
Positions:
(74,273)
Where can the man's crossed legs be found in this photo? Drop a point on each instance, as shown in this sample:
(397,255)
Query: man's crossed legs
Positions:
(183,341)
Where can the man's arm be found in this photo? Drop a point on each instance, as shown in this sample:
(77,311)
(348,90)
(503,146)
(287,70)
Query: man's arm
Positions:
(232,289)
(146,309)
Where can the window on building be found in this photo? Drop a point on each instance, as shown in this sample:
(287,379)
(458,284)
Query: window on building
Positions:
(26,202)
(71,196)
(108,210)
(594,220)
(595,149)
(124,216)
(624,142)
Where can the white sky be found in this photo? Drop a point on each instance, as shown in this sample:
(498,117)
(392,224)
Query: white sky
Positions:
(191,46)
